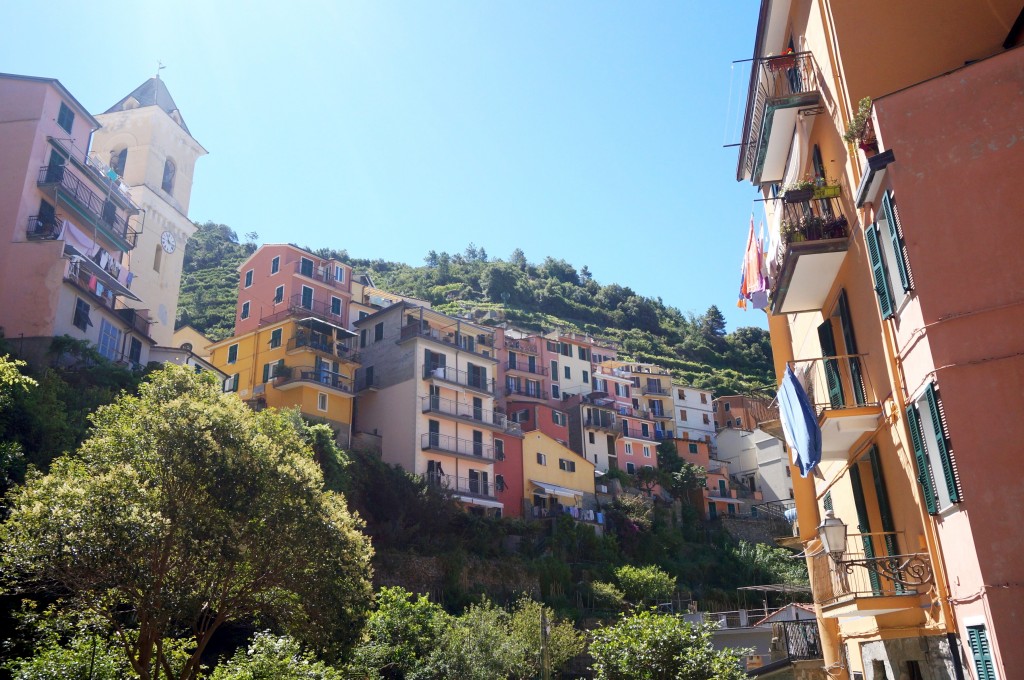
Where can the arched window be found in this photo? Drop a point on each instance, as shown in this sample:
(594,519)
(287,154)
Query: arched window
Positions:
(118,160)
(169,172)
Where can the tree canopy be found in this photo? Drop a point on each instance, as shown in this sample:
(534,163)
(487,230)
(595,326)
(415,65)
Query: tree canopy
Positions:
(184,510)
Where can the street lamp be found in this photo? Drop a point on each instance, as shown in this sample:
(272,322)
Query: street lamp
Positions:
(832,532)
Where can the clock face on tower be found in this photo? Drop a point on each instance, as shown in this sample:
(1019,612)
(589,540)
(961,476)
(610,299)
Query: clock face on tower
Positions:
(167,241)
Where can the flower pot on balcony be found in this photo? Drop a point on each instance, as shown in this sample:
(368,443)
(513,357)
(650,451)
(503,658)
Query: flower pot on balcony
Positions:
(827,191)
(798,195)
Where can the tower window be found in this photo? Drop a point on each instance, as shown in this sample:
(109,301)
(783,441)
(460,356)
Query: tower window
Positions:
(169,172)
(118,159)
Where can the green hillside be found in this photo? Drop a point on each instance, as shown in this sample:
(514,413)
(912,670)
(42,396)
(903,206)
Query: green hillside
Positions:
(531,296)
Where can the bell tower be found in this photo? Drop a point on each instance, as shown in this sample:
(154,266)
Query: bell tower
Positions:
(144,139)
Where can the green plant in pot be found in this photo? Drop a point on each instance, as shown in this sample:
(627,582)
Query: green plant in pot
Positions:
(857,130)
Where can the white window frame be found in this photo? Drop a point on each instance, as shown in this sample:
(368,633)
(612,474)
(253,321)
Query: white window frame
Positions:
(647,451)
(339,273)
(229,359)
(542,458)
(245,310)
(247,280)
(279,295)
(629,448)
(275,265)
(109,340)
(321,401)
(931,450)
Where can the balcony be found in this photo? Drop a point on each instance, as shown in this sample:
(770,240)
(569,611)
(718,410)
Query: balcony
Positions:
(462,335)
(519,392)
(781,89)
(476,416)
(521,346)
(870,586)
(108,180)
(296,376)
(815,237)
(74,193)
(322,273)
(840,393)
(472,486)
(655,390)
(609,424)
(636,433)
(93,280)
(137,319)
(324,346)
(310,309)
(796,640)
(43,228)
(443,443)
(522,367)
(453,376)
(659,414)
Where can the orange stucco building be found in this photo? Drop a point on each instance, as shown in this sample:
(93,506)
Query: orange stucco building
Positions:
(902,327)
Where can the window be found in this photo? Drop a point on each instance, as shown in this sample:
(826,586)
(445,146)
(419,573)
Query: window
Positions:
(65,117)
(554,370)
(647,451)
(555,393)
(272,370)
(590,436)
(521,416)
(789,473)
(307,297)
(335,306)
(81,319)
(568,372)
(565,349)
(714,407)
(936,467)
(726,407)
(541,459)
(232,354)
(378,332)
(245,310)
(248,278)
(739,422)
(586,377)
(339,273)
(681,394)
(231,384)
(110,340)
(306,267)
(914,671)
(682,414)
(118,159)
(362,338)
(321,401)
(363,315)
(157,257)
(629,448)
(888,256)
(703,398)
(275,337)
(279,295)
(552,346)
(275,265)
(645,429)
(692,448)
(499,449)
(630,468)
(169,172)
(707,421)
(558,418)
(984,664)
(566,465)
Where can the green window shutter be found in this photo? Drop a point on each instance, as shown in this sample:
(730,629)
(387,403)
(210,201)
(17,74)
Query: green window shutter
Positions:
(864,526)
(977,636)
(827,501)
(884,509)
(924,473)
(851,348)
(832,378)
(948,471)
(266,372)
(889,208)
(234,383)
(882,288)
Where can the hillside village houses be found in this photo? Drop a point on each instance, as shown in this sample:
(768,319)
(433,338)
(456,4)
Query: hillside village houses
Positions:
(885,140)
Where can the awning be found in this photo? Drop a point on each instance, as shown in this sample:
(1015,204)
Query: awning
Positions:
(482,502)
(99,272)
(799,423)
(321,325)
(555,489)
(725,499)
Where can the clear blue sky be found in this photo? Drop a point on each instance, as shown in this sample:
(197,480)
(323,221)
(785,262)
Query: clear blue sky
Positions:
(581,129)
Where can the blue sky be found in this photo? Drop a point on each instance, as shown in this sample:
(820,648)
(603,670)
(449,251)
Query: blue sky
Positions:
(581,129)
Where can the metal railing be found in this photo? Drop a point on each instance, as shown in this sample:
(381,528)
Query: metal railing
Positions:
(297,307)
(533,393)
(321,273)
(324,345)
(526,368)
(610,423)
(773,79)
(464,447)
(432,404)
(521,346)
(870,573)
(79,276)
(451,374)
(461,485)
(135,318)
(636,433)
(43,228)
(812,219)
(660,413)
(310,374)
(654,390)
(103,213)
(797,639)
(835,382)
(480,344)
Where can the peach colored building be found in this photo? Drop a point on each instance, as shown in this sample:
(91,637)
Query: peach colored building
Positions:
(887,304)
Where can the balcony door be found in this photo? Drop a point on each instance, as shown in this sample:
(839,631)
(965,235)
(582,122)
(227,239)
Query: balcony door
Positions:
(307,297)
(478,443)
(434,433)
(478,408)
(477,376)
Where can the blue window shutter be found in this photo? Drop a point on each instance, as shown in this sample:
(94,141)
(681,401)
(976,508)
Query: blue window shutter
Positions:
(889,208)
(882,287)
(924,473)
(948,471)
(977,636)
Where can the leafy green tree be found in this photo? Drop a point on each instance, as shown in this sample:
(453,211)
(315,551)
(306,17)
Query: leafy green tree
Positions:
(84,656)
(269,657)
(475,647)
(12,384)
(399,636)
(186,509)
(645,584)
(562,642)
(650,646)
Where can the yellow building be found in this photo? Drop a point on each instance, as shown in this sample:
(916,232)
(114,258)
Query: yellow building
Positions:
(554,476)
(297,361)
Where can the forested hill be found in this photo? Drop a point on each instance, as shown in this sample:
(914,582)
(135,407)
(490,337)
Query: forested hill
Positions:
(532,296)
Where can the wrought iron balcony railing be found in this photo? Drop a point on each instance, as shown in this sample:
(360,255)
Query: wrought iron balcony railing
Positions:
(863,573)
(450,374)
(323,345)
(297,306)
(432,441)
(610,423)
(525,391)
(432,404)
(525,367)
(324,273)
(480,344)
(797,639)
(310,374)
(654,390)
(43,228)
(473,486)
(103,214)
(835,382)
(521,346)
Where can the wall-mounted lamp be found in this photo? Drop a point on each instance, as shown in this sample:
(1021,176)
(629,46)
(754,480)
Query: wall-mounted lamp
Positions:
(903,570)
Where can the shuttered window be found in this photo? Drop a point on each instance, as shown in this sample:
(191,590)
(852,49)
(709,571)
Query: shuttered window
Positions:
(924,472)
(832,377)
(936,465)
(846,321)
(896,238)
(864,526)
(948,470)
(984,665)
(882,288)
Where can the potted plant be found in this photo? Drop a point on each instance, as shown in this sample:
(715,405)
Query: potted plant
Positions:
(859,130)
(799,191)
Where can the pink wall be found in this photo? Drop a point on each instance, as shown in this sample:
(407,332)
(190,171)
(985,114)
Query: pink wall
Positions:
(511,470)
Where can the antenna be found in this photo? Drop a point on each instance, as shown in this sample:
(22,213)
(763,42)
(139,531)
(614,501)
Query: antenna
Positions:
(159,67)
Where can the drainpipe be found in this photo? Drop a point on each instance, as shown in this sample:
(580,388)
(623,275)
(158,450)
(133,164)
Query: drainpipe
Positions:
(807,512)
